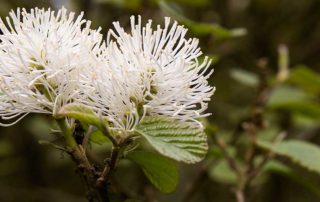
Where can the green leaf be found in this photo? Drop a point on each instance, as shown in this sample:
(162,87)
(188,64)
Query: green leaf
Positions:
(161,171)
(201,28)
(130,4)
(197,3)
(308,109)
(98,137)
(279,168)
(284,95)
(185,142)
(222,173)
(303,121)
(245,77)
(80,112)
(305,78)
(302,153)
(268,133)
(294,100)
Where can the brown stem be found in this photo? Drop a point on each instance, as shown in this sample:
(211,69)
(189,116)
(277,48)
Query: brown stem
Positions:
(251,130)
(240,196)
(231,161)
(85,168)
(111,163)
(90,175)
(250,126)
(255,171)
(86,138)
(101,181)
(239,190)
(255,122)
(107,133)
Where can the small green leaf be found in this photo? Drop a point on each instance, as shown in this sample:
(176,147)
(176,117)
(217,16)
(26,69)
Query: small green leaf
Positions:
(279,168)
(294,100)
(80,112)
(185,142)
(308,109)
(221,172)
(130,4)
(197,3)
(161,171)
(284,95)
(303,153)
(306,78)
(201,29)
(98,137)
(303,121)
(245,77)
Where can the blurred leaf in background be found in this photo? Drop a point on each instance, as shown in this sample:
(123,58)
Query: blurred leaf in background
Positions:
(237,35)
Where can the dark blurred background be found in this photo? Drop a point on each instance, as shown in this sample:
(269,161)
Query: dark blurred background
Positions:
(238,35)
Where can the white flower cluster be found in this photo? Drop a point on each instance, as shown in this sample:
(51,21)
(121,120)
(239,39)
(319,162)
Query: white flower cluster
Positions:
(41,56)
(48,60)
(151,72)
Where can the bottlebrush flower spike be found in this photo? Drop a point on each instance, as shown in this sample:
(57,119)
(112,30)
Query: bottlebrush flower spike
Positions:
(41,55)
(151,72)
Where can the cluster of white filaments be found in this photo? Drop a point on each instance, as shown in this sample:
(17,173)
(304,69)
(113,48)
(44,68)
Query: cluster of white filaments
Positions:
(49,59)
(42,54)
(150,72)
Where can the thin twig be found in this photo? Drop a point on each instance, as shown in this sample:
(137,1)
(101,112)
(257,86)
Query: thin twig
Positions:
(85,168)
(239,190)
(240,196)
(258,169)
(110,165)
(253,123)
(251,150)
(86,138)
(106,132)
(231,161)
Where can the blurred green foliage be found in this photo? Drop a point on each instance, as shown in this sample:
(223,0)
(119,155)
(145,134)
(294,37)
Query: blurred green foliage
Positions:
(240,36)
